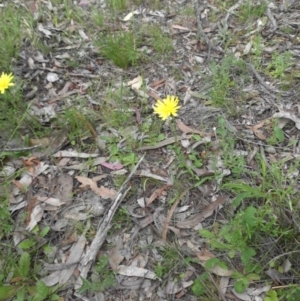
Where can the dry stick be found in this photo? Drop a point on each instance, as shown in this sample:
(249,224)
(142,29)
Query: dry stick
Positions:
(105,225)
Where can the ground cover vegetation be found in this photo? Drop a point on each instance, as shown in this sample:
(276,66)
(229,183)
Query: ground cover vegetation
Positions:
(149,150)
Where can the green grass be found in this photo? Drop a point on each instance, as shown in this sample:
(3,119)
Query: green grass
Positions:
(250,11)
(11,27)
(120,48)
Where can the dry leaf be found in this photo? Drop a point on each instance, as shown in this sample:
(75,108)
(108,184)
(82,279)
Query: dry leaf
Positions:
(175,287)
(288,116)
(169,216)
(223,285)
(74,257)
(198,218)
(186,129)
(242,296)
(102,191)
(51,201)
(217,270)
(115,256)
(255,129)
(136,83)
(112,166)
(35,216)
(135,271)
(74,154)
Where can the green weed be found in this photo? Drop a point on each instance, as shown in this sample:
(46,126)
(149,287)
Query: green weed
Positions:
(278,64)
(249,11)
(159,41)
(121,48)
(11,25)
(117,5)
(227,80)
(22,271)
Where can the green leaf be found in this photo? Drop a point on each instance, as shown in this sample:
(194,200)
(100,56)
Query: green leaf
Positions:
(198,288)
(44,231)
(21,294)
(241,285)
(271,296)
(206,233)
(253,276)
(54,297)
(24,264)
(249,216)
(42,291)
(278,132)
(219,245)
(210,263)
(240,197)
(7,292)
(26,244)
(231,253)
(247,254)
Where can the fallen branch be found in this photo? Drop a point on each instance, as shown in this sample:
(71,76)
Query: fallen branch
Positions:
(103,228)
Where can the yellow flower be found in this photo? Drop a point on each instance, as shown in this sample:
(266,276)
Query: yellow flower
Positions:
(166,107)
(5,82)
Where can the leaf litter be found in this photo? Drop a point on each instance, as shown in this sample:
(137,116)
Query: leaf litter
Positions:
(59,172)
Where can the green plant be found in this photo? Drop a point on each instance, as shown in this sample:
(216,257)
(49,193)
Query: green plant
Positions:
(224,83)
(231,160)
(23,286)
(117,5)
(277,135)
(249,11)
(159,41)
(170,260)
(121,219)
(11,24)
(279,63)
(272,296)
(291,293)
(121,48)
(257,51)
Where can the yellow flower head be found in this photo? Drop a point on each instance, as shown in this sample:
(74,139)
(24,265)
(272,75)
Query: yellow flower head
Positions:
(5,82)
(166,107)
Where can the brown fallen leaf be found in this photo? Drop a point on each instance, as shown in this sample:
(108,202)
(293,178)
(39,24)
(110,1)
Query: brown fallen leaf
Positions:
(102,191)
(115,256)
(19,185)
(44,142)
(35,216)
(255,129)
(156,194)
(170,213)
(289,116)
(198,218)
(186,129)
(31,204)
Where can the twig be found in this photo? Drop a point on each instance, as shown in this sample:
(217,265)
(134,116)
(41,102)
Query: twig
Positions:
(163,143)
(20,149)
(105,225)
